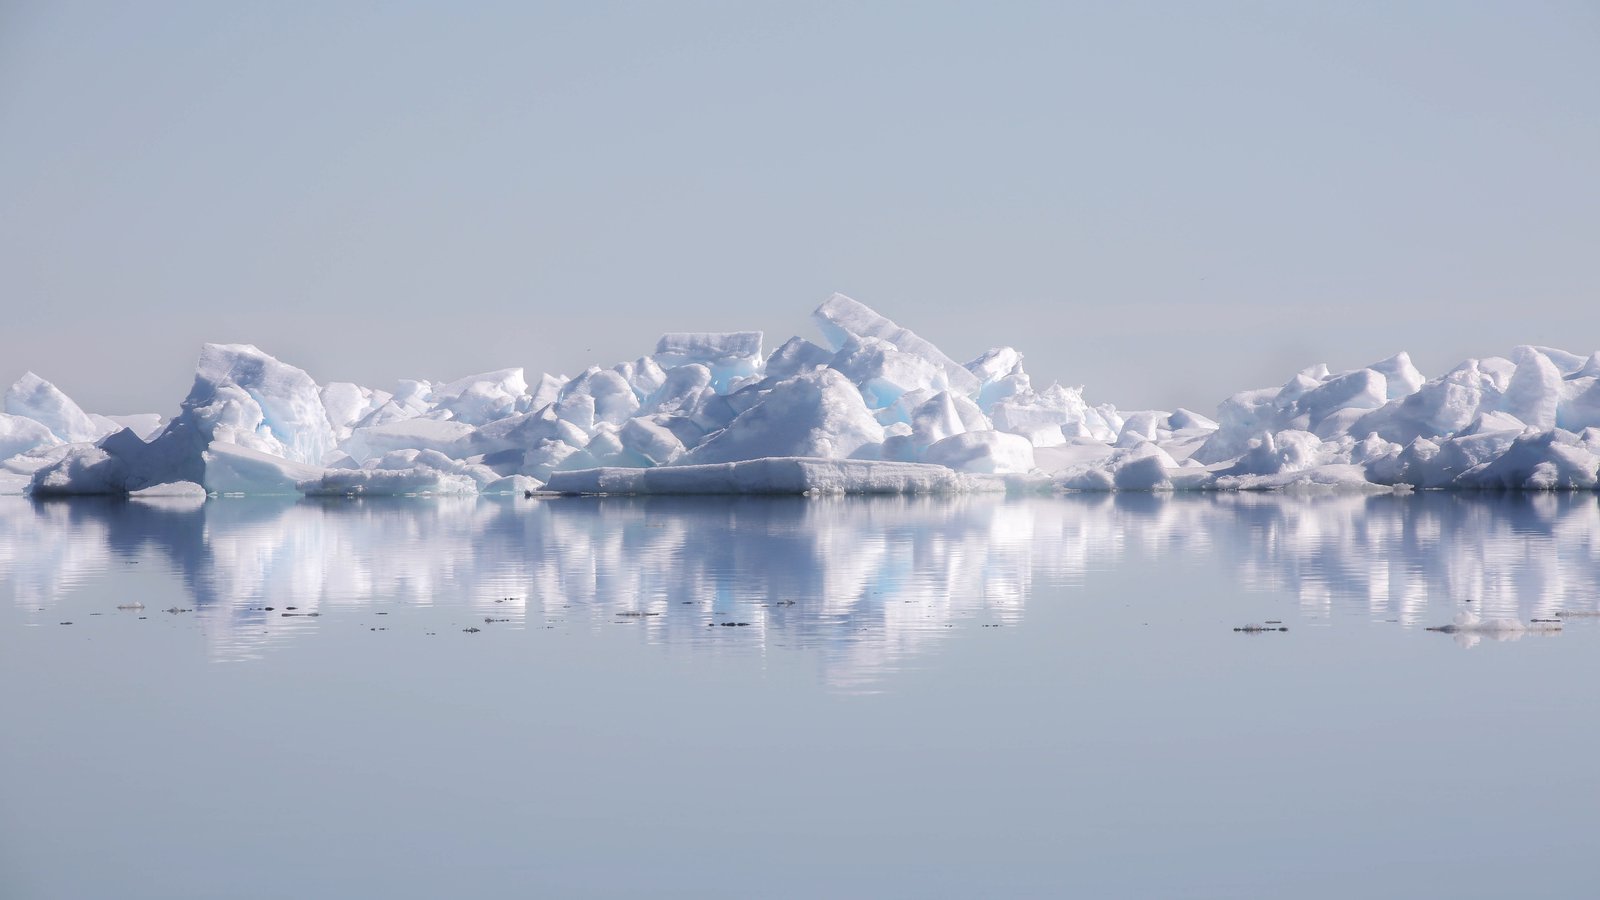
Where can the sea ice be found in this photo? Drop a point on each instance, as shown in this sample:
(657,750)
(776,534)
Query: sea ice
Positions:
(877,409)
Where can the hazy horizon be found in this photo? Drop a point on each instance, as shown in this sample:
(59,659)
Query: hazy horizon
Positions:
(1163,203)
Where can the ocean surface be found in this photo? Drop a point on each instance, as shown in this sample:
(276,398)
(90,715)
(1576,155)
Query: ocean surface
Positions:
(788,697)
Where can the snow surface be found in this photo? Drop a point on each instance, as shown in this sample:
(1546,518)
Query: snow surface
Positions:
(873,408)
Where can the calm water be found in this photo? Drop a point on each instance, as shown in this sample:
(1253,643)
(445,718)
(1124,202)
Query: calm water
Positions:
(928,697)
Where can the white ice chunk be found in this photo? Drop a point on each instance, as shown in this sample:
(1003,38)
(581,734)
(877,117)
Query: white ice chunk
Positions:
(450,438)
(882,372)
(483,398)
(1187,420)
(685,390)
(547,456)
(1580,403)
(578,409)
(1568,364)
(547,391)
(1000,375)
(1047,418)
(1143,468)
(411,398)
(815,414)
(936,419)
(1273,454)
(1139,427)
(1534,391)
(613,398)
(1547,461)
(795,356)
(729,355)
(644,375)
(347,404)
(34,398)
(651,442)
(842,319)
(1401,378)
(987,452)
(82,469)
(232,469)
(1361,389)
(19,434)
(522,432)
(246,397)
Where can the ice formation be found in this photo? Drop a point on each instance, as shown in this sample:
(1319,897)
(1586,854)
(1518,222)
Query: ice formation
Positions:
(874,408)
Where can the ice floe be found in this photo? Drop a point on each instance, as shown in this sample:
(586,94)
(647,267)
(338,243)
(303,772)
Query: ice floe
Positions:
(849,414)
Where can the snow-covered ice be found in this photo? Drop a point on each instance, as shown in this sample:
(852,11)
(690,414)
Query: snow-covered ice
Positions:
(872,407)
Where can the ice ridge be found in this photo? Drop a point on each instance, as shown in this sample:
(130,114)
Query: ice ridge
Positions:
(872,408)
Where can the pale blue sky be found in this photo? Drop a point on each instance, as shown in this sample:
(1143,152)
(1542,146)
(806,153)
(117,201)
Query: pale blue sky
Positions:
(1165,202)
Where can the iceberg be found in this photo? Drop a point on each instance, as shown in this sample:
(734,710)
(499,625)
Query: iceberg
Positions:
(871,408)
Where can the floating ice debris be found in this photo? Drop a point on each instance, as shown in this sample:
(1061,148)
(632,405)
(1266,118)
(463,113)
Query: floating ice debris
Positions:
(874,408)
(1468,622)
(1261,629)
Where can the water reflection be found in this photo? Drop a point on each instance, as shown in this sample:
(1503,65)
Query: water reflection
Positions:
(865,583)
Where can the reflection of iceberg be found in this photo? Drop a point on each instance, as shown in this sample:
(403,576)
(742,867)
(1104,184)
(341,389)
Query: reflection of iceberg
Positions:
(864,584)
(1469,628)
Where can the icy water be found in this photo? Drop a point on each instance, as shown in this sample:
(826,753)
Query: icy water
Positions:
(952,697)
